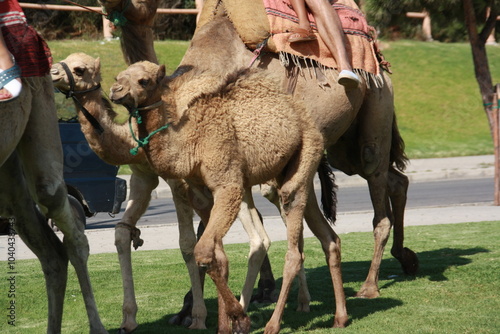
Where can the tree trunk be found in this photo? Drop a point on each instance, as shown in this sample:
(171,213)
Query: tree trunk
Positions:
(483,77)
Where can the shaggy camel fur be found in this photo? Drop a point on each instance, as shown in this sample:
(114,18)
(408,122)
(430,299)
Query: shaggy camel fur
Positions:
(31,171)
(221,141)
(137,44)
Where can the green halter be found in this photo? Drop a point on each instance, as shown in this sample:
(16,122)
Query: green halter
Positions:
(144,141)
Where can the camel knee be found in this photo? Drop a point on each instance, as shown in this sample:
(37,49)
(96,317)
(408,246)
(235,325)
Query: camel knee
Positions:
(51,197)
(382,229)
(258,250)
(293,261)
(370,157)
(122,239)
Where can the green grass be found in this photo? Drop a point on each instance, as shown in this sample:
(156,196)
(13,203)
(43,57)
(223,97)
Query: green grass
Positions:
(439,108)
(456,291)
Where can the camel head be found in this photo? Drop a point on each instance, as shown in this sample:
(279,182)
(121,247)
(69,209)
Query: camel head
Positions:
(139,85)
(84,70)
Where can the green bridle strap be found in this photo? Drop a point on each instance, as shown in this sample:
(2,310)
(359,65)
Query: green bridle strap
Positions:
(144,141)
(118,18)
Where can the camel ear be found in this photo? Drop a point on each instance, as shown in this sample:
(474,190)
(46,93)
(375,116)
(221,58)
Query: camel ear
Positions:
(160,74)
(97,65)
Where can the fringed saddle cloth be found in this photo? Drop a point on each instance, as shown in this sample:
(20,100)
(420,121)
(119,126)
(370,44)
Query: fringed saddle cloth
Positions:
(258,20)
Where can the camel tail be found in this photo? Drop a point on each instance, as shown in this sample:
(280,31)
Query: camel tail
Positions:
(398,155)
(328,190)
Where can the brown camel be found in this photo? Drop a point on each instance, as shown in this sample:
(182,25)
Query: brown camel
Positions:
(31,172)
(220,141)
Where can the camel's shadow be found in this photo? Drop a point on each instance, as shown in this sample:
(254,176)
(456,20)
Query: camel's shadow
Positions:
(433,265)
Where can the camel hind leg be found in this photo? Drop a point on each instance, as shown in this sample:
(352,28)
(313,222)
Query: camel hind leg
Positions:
(259,245)
(330,243)
(398,187)
(379,142)
(37,235)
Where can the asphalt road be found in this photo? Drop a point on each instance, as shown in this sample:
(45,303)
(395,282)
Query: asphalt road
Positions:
(350,199)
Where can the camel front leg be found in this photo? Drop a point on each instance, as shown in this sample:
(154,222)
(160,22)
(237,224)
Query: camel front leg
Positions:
(209,254)
(259,245)
(195,314)
(142,183)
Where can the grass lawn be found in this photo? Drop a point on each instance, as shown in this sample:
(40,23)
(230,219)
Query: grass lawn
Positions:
(456,291)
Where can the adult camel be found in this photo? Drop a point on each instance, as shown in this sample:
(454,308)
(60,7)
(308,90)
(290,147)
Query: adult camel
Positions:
(31,172)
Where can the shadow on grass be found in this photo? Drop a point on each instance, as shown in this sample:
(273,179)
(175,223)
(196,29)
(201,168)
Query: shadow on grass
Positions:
(433,264)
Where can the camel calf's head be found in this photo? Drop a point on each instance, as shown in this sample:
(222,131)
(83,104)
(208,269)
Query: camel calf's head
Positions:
(84,70)
(139,85)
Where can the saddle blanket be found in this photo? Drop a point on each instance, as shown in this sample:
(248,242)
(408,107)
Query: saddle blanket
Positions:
(257,20)
(359,35)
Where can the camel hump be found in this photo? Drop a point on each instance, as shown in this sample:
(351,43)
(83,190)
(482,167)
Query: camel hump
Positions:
(248,16)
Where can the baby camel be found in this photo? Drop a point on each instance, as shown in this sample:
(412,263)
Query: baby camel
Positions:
(244,134)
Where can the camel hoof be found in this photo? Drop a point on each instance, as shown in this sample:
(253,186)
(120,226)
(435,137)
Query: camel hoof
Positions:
(340,322)
(187,321)
(241,325)
(303,307)
(265,293)
(124,331)
(197,324)
(176,320)
(271,329)
(368,293)
(410,262)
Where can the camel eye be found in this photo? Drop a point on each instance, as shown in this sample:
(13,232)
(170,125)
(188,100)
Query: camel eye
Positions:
(143,82)
(79,71)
